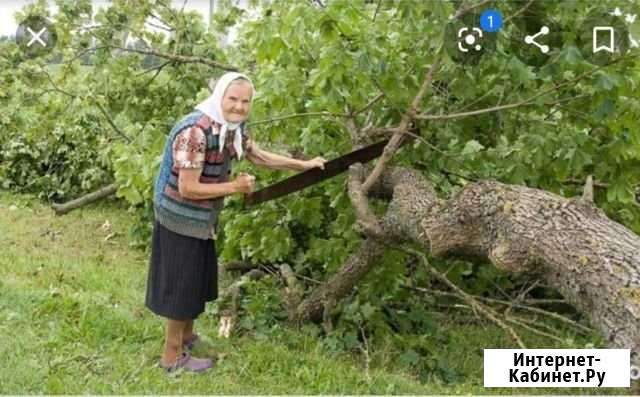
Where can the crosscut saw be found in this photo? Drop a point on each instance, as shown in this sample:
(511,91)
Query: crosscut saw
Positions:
(314,175)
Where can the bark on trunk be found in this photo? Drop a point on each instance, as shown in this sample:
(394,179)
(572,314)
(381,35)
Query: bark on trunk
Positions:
(593,261)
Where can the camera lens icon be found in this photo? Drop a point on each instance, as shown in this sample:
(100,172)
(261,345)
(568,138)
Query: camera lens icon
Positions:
(469,38)
(465,42)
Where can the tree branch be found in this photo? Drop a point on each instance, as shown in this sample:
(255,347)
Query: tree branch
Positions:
(463,11)
(521,306)
(525,102)
(520,11)
(296,115)
(369,105)
(394,142)
(63,208)
(111,122)
(177,58)
(375,14)
(487,311)
(367,221)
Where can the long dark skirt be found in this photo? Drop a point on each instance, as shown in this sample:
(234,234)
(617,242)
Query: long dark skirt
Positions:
(183,274)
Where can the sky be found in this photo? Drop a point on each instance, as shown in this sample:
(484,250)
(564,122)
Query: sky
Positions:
(8,8)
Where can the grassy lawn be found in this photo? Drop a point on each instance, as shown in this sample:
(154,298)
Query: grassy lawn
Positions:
(73,321)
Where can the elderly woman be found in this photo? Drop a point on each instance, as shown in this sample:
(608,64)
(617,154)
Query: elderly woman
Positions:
(188,197)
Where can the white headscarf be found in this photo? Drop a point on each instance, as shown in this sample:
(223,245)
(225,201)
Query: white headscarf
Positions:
(212,107)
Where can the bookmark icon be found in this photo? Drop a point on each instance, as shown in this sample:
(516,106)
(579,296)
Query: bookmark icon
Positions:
(603,31)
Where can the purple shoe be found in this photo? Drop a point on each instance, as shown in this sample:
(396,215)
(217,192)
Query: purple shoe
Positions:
(189,363)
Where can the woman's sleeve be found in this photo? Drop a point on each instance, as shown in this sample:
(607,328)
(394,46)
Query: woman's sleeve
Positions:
(189,148)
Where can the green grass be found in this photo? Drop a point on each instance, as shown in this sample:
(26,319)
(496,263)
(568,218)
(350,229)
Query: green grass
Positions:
(73,321)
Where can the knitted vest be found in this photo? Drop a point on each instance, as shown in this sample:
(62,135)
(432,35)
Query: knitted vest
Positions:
(195,218)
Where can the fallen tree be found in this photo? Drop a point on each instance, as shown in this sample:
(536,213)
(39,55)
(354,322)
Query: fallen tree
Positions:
(571,244)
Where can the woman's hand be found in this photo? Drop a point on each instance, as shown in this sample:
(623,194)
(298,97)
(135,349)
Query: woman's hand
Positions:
(244,182)
(313,163)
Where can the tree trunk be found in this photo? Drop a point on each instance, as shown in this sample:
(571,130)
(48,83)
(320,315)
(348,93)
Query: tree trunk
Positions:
(593,261)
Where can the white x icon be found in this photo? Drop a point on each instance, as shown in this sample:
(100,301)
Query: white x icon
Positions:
(36,37)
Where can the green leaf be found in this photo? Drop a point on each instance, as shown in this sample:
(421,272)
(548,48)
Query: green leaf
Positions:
(409,357)
(471,147)
(604,82)
(367,310)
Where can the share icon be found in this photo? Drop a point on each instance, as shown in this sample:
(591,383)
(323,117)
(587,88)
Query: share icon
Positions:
(532,39)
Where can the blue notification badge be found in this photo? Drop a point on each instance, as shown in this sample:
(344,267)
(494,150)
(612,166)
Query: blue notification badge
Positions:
(491,21)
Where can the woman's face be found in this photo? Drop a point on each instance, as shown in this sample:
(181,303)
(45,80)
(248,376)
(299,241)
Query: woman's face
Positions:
(236,102)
